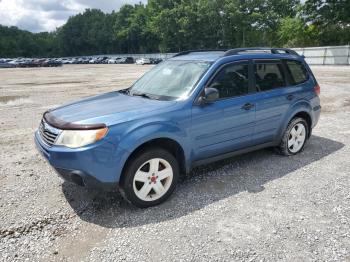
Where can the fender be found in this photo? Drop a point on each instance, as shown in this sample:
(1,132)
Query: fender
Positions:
(146,132)
(298,107)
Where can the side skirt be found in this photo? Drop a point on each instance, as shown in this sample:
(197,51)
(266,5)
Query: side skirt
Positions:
(231,154)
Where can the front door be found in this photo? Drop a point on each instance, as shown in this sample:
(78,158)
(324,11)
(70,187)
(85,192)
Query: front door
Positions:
(227,124)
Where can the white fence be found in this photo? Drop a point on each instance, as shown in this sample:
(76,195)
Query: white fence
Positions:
(328,55)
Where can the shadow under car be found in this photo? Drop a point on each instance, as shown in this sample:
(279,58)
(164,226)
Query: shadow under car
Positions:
(203,186)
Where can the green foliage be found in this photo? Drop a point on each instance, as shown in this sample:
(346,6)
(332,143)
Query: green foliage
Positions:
(15,42)
(294,32)
(86,34)
(331,18)
(175,25)
(328,12)
(132,30)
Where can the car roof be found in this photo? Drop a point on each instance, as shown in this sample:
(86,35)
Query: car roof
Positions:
(238,54)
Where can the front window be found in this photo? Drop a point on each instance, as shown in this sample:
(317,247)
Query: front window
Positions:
(171,79)
(232,80)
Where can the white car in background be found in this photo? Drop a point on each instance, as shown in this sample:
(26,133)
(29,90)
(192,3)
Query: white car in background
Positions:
(143,61)
(112,61)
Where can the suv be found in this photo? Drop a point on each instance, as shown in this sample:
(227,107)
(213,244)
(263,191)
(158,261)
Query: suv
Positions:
(196,107)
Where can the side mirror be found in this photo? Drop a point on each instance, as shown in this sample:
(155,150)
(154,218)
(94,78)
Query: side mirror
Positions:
(210,95)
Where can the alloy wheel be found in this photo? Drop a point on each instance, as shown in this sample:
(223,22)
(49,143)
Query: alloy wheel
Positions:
(153,179)
(297,137)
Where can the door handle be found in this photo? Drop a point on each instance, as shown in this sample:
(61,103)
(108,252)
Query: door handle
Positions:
(247,106)
(290,97)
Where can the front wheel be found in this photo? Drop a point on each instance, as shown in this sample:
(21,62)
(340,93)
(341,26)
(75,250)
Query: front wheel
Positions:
(294,138)
(150,177)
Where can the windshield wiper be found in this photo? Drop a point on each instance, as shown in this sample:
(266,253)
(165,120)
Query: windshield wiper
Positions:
(142,95)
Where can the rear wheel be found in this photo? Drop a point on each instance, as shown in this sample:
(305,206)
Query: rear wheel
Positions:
(150,178)
(295,137)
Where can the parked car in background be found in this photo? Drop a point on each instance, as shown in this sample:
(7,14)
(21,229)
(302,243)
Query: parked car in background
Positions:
(113,61)
(127,60)
(26,63)
(101,60)
(118,60)
(15,62)
(79,61)
(143,61)
(4,64)
(37,63)
(85,60)
(195,108)
(105,60)
(64,61)
(42,62)
(52,63)
(156,61)
(5,60)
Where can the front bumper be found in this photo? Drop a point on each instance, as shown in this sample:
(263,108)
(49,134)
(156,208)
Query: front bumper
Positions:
(80,178)
(93,166)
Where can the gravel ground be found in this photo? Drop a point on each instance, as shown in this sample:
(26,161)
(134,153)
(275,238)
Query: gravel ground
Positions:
(255,207)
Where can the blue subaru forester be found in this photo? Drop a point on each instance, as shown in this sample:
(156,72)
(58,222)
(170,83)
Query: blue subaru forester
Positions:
(195,108)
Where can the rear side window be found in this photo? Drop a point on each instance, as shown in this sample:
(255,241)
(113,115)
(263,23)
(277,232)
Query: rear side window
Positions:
(297,71)
(269,75)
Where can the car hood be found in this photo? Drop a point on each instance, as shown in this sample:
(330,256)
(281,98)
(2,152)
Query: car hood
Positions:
(109,108)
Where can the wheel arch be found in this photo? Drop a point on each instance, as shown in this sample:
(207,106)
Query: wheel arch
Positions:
(307,117)
(166,143)
(302,113)
(302,109)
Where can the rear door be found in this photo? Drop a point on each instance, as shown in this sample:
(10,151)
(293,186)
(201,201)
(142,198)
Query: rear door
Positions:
(274,100)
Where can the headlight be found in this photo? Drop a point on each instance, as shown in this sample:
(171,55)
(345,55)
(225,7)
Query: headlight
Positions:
(79,138)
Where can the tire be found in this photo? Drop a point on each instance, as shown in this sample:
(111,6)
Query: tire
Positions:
(150,177)
(294,137)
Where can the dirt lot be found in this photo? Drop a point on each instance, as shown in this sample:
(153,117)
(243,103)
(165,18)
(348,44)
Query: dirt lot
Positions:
(255,207)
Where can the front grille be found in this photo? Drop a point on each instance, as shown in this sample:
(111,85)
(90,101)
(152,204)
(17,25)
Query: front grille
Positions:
(48,133)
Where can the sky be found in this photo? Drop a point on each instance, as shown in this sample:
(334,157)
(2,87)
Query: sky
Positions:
(47,15)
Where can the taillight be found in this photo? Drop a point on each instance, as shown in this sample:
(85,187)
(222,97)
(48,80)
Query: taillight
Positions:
(317,89)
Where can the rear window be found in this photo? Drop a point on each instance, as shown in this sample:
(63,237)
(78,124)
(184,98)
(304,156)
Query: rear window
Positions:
(297,71)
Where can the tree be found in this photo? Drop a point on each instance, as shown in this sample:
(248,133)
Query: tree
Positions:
(331,18)
(15,43)
(293,32)
(86,34)
(176,25)
(328,12)
(132,30)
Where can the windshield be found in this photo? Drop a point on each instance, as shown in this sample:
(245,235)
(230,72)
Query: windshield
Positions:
(171,79)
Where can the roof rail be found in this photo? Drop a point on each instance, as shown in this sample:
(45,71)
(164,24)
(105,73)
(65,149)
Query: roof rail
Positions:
(236,51)
(201,50)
